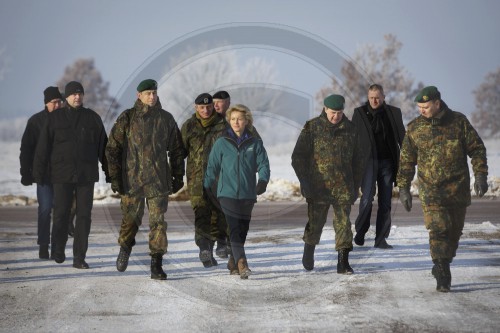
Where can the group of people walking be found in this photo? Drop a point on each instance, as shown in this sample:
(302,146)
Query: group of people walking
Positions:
(227,167)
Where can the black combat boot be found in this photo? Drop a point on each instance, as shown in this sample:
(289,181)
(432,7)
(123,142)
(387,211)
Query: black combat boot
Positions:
(343,262)
(122,260)
(206,253)
(442,273)
(43,252)
(157,272)
(221,250)
(59,255)
(308,256)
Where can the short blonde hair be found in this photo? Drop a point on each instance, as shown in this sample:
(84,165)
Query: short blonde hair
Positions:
(243,109)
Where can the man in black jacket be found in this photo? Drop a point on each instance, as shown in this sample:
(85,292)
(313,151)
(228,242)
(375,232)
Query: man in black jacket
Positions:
(44,191)
(382,130)
(71,144)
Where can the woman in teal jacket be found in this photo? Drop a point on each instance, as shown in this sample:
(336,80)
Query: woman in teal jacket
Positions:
(234,160)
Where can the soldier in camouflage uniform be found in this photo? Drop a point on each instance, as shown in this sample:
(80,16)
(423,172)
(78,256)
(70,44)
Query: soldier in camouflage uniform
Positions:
(439,142)
(146,162)
(198,135)
(327,162)
(221,100)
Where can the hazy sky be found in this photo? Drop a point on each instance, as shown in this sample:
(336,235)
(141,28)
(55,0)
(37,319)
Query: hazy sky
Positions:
(451,44)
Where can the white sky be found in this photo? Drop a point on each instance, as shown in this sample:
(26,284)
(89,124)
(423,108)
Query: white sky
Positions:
(450,44)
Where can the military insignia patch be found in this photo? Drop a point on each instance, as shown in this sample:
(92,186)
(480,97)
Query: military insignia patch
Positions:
(425,98)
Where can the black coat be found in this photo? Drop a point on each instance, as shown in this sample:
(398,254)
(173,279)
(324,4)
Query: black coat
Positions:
(362,123)
(70,145)
(28,146)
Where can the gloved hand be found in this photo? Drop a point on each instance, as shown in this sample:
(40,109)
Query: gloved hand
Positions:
(405,198)
(177,184)
(27,180)
(261,187)
(117,186)
(480,185)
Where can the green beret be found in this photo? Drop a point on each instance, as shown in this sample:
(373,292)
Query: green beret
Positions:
(203,99)
(148,84)
(427,94)
(335,102)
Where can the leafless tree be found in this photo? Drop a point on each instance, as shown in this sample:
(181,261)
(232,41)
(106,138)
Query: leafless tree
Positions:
(375,64)
(202,71)
(486,117)
(97,96)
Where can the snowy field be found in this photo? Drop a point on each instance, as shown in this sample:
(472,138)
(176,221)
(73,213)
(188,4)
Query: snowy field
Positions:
(391,291)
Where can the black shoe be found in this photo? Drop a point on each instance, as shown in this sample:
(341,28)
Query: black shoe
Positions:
(80,264)
(59,256)
(206,253)
(122,260)
(221,251)
(359,239)
(442,273)
(43,252)
(308,256)
(206,258)
(383,245)
(343,266)
(157,272)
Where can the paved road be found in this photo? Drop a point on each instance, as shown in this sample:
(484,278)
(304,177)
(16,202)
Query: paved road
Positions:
(266,215)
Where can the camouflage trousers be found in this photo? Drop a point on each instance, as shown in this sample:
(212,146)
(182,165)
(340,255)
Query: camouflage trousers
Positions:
(317,213)
(203,228)
(133,211)
(445,225)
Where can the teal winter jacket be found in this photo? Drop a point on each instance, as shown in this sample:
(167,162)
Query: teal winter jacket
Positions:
(234,162)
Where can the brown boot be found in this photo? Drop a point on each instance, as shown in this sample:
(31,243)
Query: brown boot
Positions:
(231,265)
(243,268)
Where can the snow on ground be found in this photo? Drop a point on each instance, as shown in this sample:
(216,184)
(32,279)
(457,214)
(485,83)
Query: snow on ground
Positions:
(391,291)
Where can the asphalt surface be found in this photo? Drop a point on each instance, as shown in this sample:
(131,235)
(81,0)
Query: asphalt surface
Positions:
(266,215)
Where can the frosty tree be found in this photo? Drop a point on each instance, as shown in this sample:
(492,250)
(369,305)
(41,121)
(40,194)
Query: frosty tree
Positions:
(243,78)
(486,117)
(97,97)
(381,65)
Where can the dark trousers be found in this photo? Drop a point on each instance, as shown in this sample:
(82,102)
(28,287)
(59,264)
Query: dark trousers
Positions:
(63,198)
(45,197)
(238,214)
(382,176)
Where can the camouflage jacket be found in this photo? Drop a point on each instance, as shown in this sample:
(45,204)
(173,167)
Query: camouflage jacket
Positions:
(198,142)
(440,148)
(145,151)
(327,160)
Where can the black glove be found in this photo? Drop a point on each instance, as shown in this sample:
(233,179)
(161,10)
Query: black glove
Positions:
(261,187)
(117,186)
(27,180)
(480,185)
(177,184)
(405,198)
